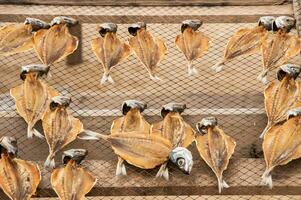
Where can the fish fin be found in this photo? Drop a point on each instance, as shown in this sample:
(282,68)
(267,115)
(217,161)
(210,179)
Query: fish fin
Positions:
(267,179)
(120,169)
(50,163)
(163,172)
(218,67)
(263,77)
(91,135)
(222,184)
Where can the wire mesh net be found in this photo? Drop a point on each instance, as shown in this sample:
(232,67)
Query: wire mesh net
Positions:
(234,96)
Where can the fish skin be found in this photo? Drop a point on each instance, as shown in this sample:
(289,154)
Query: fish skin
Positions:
(110,51)
(19,178)
(32,99)
(149,50)
(72,182)
(60,129)
(15,38)
(279,98)
(281,145)
(54,44)
(216,148)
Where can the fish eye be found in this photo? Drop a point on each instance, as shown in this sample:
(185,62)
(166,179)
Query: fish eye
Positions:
(53,106)
(180,162)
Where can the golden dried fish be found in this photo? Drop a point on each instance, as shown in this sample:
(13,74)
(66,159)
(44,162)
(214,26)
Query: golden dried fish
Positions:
(33,96)
(60,128)
(72,182)
(132,121)
(278,48)
(282,144)
(17,38)
(246,41)
(215,147)
(192,43)
(149,50)
(109,50)
(19,178)
(56,43)
(145,151)
(282,96)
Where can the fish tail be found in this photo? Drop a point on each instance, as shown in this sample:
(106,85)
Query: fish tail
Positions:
(263,77)
(163,172)
(267,178)
(218,66)
(33,132)
(50,163)
(106,78)
(221,184)
(191,70)
(154,77)
(91,135)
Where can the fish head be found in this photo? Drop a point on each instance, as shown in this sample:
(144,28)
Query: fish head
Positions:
(285,23)
(267,22)
(36,24)
(63,20)
(77,155)
(133,28)
(182,158)
(107,28)
(206,123)
(132,104)
(33,71)
(292,70)
(61,102)
(295,112)
(194,24)
(8,145)
(172,107)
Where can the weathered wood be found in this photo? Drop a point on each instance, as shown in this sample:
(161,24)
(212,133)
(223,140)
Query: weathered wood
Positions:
(150,2)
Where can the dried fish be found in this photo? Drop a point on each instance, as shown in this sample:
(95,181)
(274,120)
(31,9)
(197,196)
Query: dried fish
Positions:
(246,41)
(33,96)
(72,181)
(19,178)
(192,43)
(17,38)
(145,151)
(215,147)
(56,43)
(60,127)
(149,50)
(282,96)
(109,50)
(282,144)
(278,48)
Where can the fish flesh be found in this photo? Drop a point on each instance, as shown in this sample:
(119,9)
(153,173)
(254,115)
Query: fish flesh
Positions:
(246,41)
(149,50)
(282,96)
(19,178)
(17,38)
(33,96)
(192,43)
(72,181)
(278,48)
(60,127)
(56,43)
(281,144)
(215,148)
(109,50)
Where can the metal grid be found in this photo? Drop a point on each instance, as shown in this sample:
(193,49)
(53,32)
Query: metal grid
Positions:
(234,96)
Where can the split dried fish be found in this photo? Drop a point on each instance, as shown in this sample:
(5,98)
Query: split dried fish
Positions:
(17,38)
(72,181)
(246,41)
(56,43)
(109,50)
(192,43)
(19,178)
(282,144)
(278,48)
(215,147)
(60,127)
(145,151)
(149,50)
(282,96)
(33,96)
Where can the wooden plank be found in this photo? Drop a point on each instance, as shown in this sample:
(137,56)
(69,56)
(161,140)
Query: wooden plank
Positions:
(150,2)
